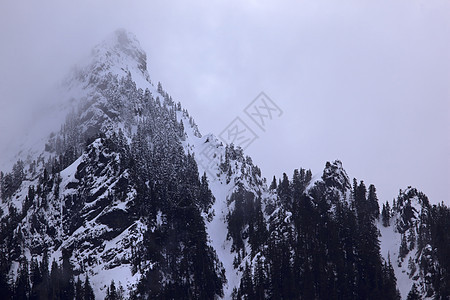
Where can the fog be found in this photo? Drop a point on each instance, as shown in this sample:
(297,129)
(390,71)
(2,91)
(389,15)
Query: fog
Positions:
(363,82)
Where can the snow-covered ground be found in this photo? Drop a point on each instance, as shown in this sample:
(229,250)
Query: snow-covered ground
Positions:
(216,228)
(390,245)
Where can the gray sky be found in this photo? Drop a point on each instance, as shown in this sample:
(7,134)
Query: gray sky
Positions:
(366,82)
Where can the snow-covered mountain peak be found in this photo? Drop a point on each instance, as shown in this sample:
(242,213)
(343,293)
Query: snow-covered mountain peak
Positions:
(121,46)
(125,42)
(411,196)
(411,203)
(119,54)
(335,175)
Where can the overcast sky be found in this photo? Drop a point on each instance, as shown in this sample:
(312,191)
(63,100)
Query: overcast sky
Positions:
(366,82)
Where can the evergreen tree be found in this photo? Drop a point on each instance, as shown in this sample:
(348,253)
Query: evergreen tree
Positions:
(67,279)
(22,287)
(413,293)
(79,292)
(372,200)
(411,239)
(205,198)
(5,289)
(87,289)
(44,287)
(297,186)
(36,279)
(389,290)
(259,280)
(386,215)
(284,191)
(404,249)
(273,185)
(438,222)
(246,286)
(55,282)
(260,230)
(369,265)
(111,293)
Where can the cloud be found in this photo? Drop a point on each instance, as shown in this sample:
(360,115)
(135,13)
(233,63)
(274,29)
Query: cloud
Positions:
(365,82)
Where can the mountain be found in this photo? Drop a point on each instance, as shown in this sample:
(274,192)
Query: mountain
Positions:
(119,195)
(415,235)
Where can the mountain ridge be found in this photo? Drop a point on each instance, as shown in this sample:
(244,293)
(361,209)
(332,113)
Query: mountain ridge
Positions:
(121,190)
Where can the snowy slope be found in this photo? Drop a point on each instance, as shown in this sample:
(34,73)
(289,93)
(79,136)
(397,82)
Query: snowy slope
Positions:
(405,225)
(209,152)
(390,245)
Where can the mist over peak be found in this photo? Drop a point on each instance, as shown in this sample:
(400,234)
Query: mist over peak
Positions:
(123,43)
(120,54)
